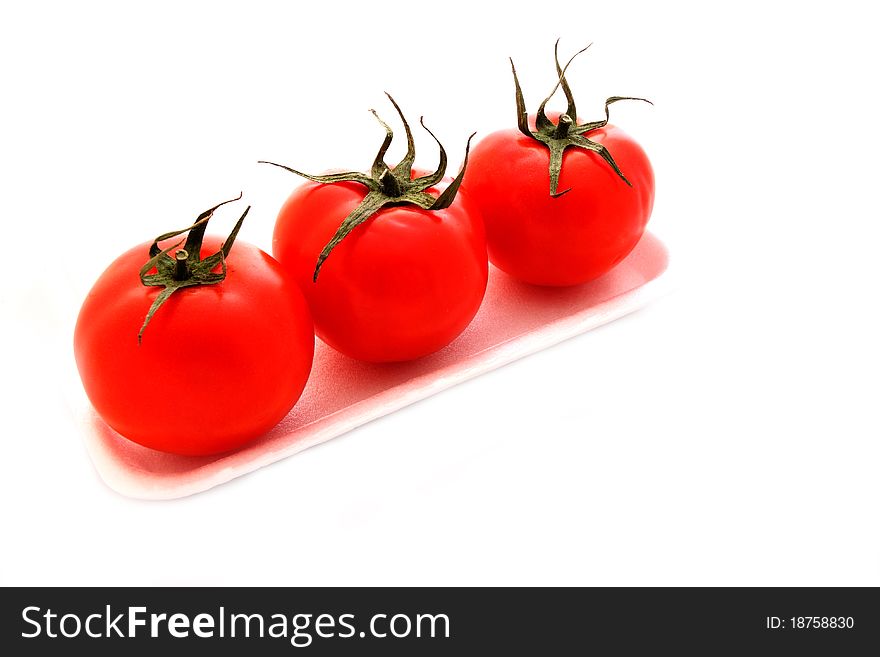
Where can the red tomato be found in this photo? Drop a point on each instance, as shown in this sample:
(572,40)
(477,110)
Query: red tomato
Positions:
(218,365)
(401,285)
(568,239)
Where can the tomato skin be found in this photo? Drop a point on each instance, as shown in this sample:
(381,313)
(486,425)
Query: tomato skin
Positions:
(401,285)
(566,240)
(218,365)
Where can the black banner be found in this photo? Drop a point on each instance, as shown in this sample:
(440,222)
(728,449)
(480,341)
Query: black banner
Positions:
(445,621)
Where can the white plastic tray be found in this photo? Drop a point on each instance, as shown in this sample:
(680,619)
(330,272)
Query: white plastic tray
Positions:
(515,320)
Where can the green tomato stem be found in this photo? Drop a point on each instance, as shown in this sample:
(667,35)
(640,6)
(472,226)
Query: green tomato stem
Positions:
(186,268)
(566,133)
(388,186)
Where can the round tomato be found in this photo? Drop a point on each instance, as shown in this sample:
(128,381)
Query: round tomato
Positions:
(567,239)
(217,365)
(402,284)
(563,201)
(393,268)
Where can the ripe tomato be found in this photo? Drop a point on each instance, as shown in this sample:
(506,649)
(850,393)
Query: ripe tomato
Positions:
(218,365)
(542,235)
(403,265)
(401,285)
(568,239)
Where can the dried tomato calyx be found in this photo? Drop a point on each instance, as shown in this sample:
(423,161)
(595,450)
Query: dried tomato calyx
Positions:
(566,133)
(389,185)
(186,268)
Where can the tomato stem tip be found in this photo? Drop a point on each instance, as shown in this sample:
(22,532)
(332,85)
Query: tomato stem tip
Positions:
(181,270)
(562,128)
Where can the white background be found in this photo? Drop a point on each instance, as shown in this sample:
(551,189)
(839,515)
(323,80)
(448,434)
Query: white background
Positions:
(725,435)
